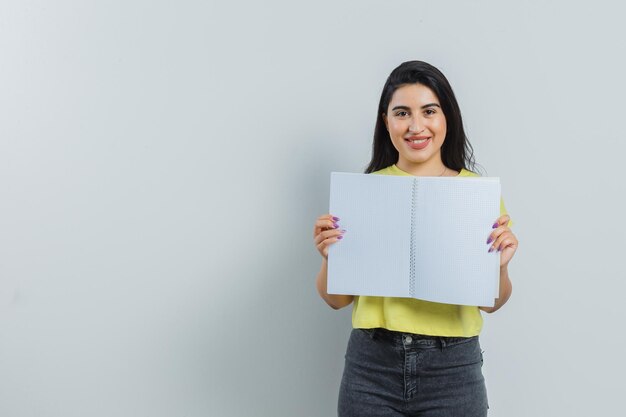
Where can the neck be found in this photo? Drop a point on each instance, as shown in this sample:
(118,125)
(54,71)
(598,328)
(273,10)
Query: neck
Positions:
(426,169)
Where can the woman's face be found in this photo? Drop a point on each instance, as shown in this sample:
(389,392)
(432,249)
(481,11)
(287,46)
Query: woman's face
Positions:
(417,126)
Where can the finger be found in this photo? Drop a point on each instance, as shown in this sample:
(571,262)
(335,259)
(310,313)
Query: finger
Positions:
(498,241)
(325,225)
(325,222)
(328,217)
(506,243)
(323,245)
(496,233)
(499,230)
(322,225)
(501,221)
(497,245)
(329,241)
(328,234)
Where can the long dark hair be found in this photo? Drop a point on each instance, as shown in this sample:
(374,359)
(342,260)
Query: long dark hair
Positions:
(456,152)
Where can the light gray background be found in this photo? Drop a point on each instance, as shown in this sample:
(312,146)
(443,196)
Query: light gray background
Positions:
(162,164)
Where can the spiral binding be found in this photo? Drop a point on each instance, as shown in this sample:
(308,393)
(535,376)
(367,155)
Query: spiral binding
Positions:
(412,253)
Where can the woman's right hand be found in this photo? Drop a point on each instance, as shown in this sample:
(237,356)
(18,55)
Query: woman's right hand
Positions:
(326,232)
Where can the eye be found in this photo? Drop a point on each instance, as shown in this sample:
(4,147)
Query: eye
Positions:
(401,113)
(430,112)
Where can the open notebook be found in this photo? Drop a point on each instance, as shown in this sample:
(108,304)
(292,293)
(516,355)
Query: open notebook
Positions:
(419,237)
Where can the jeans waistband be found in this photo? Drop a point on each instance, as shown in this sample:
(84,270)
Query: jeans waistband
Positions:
(416,339)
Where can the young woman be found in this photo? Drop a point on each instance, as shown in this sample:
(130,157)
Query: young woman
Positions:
(409,357)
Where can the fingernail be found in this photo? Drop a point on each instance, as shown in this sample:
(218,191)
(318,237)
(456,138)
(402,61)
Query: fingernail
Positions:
(340,237)
(490,249)
(494,225)
(335,218)
(489,240)
(343,230)
(335,225)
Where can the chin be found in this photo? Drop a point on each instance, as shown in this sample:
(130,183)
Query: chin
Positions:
(419,160)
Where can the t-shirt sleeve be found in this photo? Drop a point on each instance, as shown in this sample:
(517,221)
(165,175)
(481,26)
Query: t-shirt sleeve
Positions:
(503,212)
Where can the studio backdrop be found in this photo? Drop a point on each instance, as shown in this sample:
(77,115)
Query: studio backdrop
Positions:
(162,165)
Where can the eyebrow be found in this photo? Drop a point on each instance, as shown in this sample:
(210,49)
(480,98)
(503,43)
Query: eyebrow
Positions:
(423,107)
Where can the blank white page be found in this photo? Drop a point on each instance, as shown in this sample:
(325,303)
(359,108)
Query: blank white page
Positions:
(373,256)
(453,219)
(419,237)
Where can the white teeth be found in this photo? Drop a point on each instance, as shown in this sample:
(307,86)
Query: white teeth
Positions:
(419,140)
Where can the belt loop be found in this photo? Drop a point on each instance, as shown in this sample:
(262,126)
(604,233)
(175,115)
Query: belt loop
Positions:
(373,333)
(442,342)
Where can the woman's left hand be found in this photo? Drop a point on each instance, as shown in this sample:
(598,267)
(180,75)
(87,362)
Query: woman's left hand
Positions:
(503,240)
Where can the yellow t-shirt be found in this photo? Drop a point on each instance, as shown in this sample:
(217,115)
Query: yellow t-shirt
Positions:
(418,316)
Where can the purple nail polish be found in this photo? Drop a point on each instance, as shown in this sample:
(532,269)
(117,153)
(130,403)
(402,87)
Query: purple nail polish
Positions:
(340,237)
(335,218)
(494,225)
(490,249)
(490,239)
(343,230)
(335,225)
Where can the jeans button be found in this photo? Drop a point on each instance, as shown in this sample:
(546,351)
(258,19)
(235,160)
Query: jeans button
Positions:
(408,339)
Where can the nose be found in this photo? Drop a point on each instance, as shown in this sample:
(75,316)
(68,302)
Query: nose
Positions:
(415,126)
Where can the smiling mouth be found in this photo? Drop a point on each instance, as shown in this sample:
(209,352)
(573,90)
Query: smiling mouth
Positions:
(418,143)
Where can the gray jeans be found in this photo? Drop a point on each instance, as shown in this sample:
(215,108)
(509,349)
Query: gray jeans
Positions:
(390,373)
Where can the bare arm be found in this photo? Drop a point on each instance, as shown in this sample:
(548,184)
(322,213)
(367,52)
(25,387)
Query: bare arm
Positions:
(336,301)
(506,243)
(505,291)
(325,233)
